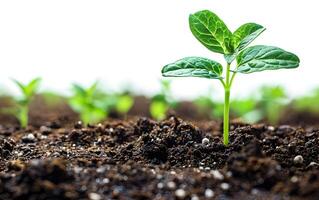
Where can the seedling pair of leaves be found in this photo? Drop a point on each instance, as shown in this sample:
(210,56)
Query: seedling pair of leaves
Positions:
(93,105)
(21,108)
(163,101)
(212,32)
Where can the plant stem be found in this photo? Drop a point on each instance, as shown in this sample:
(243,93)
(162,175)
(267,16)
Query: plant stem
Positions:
(23,116)
(226,117)
(226,106)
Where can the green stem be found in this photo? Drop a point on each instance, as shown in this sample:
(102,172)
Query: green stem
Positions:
(227,105)
(226,117)
(23,116)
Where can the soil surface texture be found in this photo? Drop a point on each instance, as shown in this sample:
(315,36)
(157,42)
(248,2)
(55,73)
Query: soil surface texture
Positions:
(171,159)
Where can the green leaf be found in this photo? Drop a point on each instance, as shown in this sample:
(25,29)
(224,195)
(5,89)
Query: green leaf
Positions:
(124,104)
(158,110)
(211,31)
(78,90)
(260,58)
(193,67)
(245,34)
(29,89)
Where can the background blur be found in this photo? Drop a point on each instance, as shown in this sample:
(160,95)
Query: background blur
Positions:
(126,43)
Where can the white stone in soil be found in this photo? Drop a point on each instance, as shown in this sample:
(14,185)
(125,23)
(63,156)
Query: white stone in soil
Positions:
(225,186)
(217,175)
(171,185)
(180,193)
(94,196)
(298,159)
(205,141)
(209,193)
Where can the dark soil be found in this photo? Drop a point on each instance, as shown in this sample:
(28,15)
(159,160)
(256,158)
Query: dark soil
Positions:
(144,159)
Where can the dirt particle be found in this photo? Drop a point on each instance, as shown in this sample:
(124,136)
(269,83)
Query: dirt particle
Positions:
(16,165)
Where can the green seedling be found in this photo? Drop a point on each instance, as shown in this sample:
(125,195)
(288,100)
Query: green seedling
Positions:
(28,91)
(212,32)
(89,103)
(123,103)
(162,102)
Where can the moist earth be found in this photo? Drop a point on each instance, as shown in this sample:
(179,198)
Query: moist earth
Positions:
(173,159)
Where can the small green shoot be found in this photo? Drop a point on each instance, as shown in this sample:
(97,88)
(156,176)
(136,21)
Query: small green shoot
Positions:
(212,32)
(161,102)
(89,103)
(124,103)
(28,91)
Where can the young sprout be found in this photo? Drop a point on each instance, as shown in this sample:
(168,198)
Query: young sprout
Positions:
(89,103)
(212,32)
(161,102)
(28,91)
(123,103)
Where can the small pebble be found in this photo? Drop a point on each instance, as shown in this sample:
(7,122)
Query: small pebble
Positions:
(254,191)
(271,128)
(229,174)
(209,193)
(180,193)
(217,175)
(78,125)
(298,160)
(101,170)
(194,197)
(171,185)
(313,164)
(45,130)
(225,186)
(294,179)
(95,196)
(106,180)
(207,168)
(205,141)
(28,138)
(160,185)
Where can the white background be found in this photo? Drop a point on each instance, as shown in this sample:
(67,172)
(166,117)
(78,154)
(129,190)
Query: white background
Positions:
(125,42)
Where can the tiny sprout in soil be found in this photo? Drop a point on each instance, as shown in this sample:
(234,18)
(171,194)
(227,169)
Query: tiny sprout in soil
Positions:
(94,105)
(28,91)
(212,32)
(88,102)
